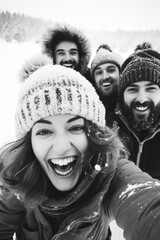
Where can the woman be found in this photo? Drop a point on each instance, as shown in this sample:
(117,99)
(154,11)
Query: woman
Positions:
(64,178)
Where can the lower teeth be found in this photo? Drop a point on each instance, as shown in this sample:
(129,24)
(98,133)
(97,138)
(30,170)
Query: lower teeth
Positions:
(63,173)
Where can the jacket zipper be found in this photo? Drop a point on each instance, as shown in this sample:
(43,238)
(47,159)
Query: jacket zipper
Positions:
(71,225)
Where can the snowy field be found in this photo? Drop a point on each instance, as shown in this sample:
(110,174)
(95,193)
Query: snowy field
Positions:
(12,56)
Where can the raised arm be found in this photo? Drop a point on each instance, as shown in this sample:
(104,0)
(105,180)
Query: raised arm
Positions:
(135,202)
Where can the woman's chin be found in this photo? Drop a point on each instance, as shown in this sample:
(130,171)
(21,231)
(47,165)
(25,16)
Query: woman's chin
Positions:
(66,183)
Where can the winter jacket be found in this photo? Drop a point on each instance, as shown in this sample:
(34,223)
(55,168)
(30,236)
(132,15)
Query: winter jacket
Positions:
(146,153)
(119,191)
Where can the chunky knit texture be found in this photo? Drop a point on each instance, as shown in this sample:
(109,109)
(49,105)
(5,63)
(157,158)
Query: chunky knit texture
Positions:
(53,89)
(105,56)
(143,65)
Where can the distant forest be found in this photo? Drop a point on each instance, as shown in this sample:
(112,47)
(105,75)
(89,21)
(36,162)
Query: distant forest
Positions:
(19,27)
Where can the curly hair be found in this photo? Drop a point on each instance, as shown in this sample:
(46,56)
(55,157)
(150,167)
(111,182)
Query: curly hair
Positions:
(67,33)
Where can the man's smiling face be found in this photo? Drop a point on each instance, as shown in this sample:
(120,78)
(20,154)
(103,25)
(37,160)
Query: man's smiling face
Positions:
(142,103)
(67,54)
(106,77)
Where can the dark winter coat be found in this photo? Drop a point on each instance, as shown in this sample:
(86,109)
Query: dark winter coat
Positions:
(122,192)
(146,153)
(88,76)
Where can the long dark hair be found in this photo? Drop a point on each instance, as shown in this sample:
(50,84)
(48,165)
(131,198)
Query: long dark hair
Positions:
(22,173)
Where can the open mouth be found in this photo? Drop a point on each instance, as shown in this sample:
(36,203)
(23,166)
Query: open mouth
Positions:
(106,83)
(63,166)
(68,65)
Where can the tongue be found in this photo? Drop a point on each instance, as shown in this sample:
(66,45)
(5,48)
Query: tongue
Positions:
(64,168)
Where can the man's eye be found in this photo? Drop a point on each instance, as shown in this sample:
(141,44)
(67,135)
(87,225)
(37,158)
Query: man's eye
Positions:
(60,53)
(43,132)
(98,72)
(151,89)
(132,90)
(77,129)
(111,70)
(74,53)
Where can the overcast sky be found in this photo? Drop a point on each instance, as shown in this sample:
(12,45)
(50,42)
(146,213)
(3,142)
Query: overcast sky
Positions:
(92,14)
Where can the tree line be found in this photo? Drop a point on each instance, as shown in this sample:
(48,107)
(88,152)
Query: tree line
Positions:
(19,27)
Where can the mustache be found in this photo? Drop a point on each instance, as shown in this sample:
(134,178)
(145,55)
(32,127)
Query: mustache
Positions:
(142,124)
(109,79)
(68,61)
(148,104)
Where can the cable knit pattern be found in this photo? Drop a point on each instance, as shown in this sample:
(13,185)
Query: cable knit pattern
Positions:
(143,65)
(54,89)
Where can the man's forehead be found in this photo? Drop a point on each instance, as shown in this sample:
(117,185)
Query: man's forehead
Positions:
(106,65)
(66,45)
(142,84)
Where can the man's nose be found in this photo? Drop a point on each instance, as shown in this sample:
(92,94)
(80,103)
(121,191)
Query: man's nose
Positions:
(105,75)
(67,56)
(142,97)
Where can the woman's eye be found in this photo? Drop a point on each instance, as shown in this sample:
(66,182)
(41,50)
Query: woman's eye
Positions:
(77,129)
(43,132)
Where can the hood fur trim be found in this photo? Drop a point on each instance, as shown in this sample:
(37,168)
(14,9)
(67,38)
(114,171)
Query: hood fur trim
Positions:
(66,32)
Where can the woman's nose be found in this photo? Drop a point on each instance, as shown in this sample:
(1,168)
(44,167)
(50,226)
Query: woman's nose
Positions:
(61,145)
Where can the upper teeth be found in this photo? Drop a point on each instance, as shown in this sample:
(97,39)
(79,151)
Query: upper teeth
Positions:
(67,65)
(141,108)
(106,84)
(63,161)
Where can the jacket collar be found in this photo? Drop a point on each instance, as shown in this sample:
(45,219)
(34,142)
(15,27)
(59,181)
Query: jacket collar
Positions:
(152,132)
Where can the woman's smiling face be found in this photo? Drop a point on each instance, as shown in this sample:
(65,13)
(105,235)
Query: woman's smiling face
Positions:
(60,144)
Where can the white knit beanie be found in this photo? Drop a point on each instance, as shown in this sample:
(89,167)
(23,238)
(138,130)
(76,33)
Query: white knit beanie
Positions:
(54,89)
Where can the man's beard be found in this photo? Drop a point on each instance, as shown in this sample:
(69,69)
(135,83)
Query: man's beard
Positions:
(110,101)
(140,124)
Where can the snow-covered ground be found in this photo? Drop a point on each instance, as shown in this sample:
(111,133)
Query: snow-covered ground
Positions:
(12,57)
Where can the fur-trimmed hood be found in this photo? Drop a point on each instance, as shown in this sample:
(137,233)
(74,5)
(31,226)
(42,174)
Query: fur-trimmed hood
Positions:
(65,32)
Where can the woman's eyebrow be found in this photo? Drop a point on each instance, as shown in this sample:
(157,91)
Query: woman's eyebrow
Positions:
(73,119)
(43,121)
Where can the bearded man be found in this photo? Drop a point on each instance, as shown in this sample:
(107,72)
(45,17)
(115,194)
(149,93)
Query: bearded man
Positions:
(69,47)
(138,112)
(105,71)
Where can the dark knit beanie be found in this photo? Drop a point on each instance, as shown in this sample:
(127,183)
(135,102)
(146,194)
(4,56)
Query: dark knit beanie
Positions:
(143,65)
